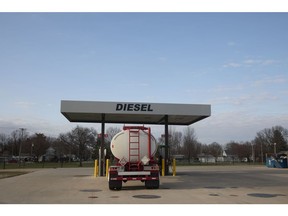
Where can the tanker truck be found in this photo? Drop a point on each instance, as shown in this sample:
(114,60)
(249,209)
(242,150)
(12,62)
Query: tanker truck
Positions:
(134,149)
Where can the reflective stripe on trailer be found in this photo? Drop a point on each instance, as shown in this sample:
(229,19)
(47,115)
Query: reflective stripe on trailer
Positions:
(131,173)
(133,178)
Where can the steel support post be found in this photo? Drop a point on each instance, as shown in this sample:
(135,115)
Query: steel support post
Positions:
(102,159)
(166,146)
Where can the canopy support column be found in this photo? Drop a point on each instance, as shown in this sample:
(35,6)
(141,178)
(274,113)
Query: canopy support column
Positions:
(166,146)
(102,159)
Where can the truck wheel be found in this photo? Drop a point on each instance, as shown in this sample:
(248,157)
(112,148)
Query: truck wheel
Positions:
(118,185)
(111,186)
(156,184)
(152,184)
(115,185)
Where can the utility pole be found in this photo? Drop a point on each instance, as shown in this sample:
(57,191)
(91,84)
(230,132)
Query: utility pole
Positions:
(253,154)
(166,156)
(262,160)
(22,131)
(101,155)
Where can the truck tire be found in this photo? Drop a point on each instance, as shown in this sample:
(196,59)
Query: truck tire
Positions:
(152,184)
(115,185)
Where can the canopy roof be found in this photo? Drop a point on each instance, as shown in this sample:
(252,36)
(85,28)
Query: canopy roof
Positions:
(134,112)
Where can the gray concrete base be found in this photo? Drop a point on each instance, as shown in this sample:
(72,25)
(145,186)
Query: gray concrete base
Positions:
(191,185)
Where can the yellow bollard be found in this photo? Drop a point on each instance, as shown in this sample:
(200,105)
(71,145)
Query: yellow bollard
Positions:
(96,168)
(107,167)
(174,167)
(163,167)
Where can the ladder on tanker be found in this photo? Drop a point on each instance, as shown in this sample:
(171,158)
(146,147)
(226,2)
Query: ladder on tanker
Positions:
(134,149)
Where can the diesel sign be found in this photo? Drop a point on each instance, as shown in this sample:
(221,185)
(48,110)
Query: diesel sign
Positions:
(134,107)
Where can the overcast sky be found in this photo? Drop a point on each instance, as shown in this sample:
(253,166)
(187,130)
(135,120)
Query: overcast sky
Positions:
(237,62)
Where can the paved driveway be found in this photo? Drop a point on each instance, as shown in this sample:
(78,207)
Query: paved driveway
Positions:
(192,185)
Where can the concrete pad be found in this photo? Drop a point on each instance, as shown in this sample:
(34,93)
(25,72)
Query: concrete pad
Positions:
(191,185)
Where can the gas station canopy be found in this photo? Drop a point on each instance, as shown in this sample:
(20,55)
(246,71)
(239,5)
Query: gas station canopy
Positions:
(134,112)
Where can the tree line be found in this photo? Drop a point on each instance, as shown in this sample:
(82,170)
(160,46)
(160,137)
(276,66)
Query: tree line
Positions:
(81,142)
(84,143)
(267,141)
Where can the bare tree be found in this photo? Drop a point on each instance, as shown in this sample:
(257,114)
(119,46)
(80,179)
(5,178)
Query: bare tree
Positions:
(279,135)
(3,143)
(190,143)
(81,138)
(111,132)
(215,149)
(246,151)
(18,137)
(175,141)
(270,139)
(40,144)
(15,142)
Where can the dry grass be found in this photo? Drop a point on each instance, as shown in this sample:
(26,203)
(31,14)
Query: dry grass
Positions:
(8,174)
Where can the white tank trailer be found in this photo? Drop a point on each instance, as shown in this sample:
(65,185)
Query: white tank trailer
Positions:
(134,148)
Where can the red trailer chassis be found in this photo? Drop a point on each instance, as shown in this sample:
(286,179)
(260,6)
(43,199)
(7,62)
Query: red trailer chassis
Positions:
(116,176)
(127,171)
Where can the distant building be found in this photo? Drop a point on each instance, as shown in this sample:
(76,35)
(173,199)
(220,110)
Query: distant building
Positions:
(50,155)
(178,157)
(206,158)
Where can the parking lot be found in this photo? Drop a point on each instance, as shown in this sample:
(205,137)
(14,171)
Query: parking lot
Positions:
(192,185)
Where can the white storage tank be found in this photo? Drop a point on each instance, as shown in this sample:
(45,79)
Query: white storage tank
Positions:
(124,145)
